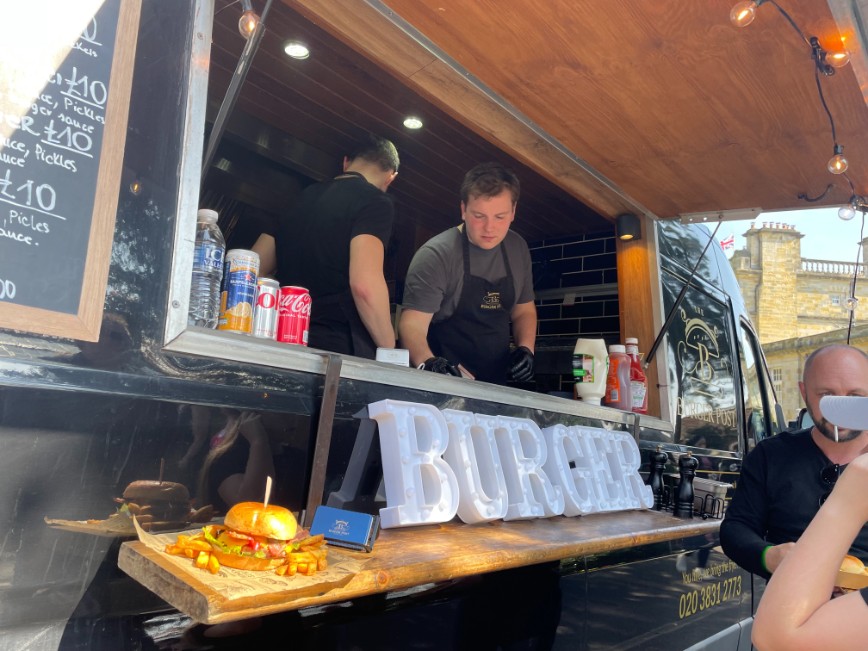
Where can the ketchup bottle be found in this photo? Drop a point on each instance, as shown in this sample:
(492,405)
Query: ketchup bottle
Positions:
(618,391)
(638,380)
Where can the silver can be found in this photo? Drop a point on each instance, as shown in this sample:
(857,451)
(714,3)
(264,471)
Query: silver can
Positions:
(265,312)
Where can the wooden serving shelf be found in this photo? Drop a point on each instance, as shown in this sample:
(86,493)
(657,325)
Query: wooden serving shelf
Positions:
(407,557)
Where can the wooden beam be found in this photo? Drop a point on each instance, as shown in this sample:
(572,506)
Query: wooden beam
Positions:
(635,295)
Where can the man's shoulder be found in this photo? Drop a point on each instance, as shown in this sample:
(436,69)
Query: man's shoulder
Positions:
(787,440)
(353,188)
(443,243)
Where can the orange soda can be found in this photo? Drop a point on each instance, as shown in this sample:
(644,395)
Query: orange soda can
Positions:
(240,271)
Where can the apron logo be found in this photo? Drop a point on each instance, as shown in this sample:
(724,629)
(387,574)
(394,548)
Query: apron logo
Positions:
(491,301)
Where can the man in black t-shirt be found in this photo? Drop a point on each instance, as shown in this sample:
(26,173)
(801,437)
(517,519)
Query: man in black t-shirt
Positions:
(332,242)
(786,477)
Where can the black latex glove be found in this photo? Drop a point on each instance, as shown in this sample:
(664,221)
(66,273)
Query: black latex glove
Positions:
(441,365)
(521,364)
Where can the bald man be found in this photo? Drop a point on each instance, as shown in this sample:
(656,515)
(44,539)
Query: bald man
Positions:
(786,478)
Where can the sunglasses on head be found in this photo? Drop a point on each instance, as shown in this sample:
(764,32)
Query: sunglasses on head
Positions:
(829,475)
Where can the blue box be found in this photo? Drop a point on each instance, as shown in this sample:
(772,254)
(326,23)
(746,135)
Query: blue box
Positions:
(346,528)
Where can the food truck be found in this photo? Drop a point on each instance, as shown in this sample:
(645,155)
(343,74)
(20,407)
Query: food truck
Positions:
(122,118)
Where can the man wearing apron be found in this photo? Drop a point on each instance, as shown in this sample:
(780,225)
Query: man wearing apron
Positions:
(333,242)
(466,285)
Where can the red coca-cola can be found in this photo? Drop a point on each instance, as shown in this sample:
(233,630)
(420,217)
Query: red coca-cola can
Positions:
(293,315)
(265,310)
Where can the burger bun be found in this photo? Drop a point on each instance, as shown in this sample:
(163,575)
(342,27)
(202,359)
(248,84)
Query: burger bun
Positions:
(852,565)
(149,490)
(256,519)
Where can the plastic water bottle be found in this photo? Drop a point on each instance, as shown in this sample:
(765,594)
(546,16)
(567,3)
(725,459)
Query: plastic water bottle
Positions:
(207,271)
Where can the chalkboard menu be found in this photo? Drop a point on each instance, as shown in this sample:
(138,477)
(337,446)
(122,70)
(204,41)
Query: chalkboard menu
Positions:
(65,77)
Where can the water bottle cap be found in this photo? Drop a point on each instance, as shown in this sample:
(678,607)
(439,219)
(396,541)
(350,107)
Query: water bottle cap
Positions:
(206,215)
(631,340)
(617,348)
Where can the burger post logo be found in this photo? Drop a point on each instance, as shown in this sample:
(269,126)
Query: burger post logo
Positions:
(439,463)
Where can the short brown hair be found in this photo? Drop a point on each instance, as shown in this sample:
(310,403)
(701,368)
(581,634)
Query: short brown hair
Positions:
(375,149)
(489,180)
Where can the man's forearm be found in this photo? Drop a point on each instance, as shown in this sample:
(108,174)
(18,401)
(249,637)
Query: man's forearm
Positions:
(524,328)
(744,546)
(373,307)
(413,331)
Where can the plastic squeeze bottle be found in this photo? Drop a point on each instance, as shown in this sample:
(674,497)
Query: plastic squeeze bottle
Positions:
(638,380)
(618,392)
(590,368)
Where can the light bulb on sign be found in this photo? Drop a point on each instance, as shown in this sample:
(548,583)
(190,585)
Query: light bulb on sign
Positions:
(743,13)
(838,164)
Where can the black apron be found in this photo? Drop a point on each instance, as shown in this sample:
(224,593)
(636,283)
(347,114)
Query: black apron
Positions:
(477,334)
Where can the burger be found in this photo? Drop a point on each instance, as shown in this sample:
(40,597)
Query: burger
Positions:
(254,536)
(852,565)
(161,505)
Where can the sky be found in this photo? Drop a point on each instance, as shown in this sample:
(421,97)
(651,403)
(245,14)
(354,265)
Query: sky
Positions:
(826,236)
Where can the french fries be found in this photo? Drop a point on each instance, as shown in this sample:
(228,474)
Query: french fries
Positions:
(306,557)
(196,548)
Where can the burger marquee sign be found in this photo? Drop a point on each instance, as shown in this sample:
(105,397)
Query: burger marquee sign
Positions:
(439,463)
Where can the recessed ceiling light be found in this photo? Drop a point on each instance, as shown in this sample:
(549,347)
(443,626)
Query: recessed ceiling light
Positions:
(412,123)
(296,50)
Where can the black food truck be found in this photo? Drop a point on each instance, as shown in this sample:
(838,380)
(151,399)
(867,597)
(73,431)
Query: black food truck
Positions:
(121,118)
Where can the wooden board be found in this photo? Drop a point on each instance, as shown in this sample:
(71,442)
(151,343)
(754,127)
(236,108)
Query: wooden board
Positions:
(403,558)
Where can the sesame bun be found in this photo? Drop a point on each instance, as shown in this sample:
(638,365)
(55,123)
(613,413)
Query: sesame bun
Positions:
(852,565)
(271,522)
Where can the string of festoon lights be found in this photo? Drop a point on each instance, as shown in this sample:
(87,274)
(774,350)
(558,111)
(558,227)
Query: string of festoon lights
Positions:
(825,63)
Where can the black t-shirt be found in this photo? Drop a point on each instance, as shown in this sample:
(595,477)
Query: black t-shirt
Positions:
(313,238)
(777,495)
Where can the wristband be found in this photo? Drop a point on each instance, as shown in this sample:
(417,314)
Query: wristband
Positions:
(763,558)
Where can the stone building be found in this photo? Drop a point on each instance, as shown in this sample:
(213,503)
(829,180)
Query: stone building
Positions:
(797,304)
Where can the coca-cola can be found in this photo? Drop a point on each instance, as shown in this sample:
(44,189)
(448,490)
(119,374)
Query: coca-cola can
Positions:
(265,310)
(293,315)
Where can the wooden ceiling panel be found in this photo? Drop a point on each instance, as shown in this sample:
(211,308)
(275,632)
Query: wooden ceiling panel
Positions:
(671,103)
(289,110)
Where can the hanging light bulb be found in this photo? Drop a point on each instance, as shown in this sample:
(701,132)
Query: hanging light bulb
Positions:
(743,13)
(846,213)
(248,21)
(837,59)
(851,303)
(838,164)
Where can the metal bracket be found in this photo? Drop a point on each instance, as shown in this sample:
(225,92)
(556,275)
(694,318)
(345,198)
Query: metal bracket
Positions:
(323,438)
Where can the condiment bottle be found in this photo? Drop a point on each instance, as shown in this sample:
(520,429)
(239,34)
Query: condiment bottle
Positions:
(638,380)
(618,392)
(590,369)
